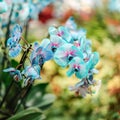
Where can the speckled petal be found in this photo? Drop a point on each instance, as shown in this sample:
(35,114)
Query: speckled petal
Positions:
(70,72)
(52,30)
(70,24)
(66,34)
(14,52)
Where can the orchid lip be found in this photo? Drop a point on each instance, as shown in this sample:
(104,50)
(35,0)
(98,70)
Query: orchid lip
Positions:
(54,49)
(70,58)
(60,33)
(76,70)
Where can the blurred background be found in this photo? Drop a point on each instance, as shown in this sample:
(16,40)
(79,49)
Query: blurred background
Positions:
(101,19)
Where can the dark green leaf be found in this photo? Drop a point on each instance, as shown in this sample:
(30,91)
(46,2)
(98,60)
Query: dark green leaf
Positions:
(35,95)
(28,114)
(14,63)
(46,101)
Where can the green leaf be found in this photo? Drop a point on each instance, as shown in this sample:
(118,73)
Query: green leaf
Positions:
(35,95)
(46,101)
(37,88)
(32,113)
(14,63)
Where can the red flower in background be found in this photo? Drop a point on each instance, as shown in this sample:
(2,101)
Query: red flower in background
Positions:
(46,14)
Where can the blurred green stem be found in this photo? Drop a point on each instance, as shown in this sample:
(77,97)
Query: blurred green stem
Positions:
(8,25)
(7,91)
(26,29)
(28,88)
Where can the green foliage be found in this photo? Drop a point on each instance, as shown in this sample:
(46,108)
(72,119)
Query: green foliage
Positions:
(41,99)
(32,113)
(103,106)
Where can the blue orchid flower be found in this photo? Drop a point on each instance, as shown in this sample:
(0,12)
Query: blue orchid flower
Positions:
(82,32)
(30,73)
(62,32)
(76,34)
(80,88)
(79,39)
(79,67)
(3,6)
(16,32)
(66,53)
(14,47)
(13,42)
(94,59)
(56,42)
(86,49)
(45,43)
(40,54)
(23,12)
(15,73)
(84,87)
(70,24)
(35,46)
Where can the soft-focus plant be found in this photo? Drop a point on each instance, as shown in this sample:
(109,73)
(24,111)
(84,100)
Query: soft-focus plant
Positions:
(67,46)
(23,96)
(14,44)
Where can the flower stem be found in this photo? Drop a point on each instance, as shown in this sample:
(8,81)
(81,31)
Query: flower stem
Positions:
(7,91)
(28,88)
(8,25)
(19,67)
(26,30)
(25,41)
